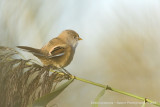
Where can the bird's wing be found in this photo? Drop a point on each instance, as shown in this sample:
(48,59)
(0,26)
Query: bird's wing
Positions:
(57,51)
(36,52)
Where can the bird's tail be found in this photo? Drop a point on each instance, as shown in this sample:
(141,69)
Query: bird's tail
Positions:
(34,51)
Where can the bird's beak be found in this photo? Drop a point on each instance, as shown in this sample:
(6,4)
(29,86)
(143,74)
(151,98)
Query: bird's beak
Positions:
(80,38)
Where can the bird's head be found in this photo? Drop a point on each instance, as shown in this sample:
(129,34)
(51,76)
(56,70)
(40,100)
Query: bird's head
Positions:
(70,37)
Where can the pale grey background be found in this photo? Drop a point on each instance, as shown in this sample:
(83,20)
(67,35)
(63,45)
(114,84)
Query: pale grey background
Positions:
(120,47)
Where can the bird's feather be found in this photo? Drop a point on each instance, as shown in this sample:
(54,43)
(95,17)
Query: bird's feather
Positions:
(34,51)
(57,51)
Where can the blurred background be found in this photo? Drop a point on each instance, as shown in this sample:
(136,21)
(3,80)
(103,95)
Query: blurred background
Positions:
(120,44)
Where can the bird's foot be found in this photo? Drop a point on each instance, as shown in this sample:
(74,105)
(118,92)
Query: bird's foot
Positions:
(62,71)
(66,73)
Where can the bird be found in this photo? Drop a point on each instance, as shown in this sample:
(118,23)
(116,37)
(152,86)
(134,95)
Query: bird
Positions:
(59,51)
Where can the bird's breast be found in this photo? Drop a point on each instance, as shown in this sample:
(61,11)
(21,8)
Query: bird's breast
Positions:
(68,57)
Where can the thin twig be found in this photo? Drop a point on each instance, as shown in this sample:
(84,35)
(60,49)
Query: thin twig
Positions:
(118,91)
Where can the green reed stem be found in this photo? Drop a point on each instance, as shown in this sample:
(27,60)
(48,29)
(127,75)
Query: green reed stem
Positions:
(118,91)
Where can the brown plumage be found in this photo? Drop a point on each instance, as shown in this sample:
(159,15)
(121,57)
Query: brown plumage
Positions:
(59,51)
